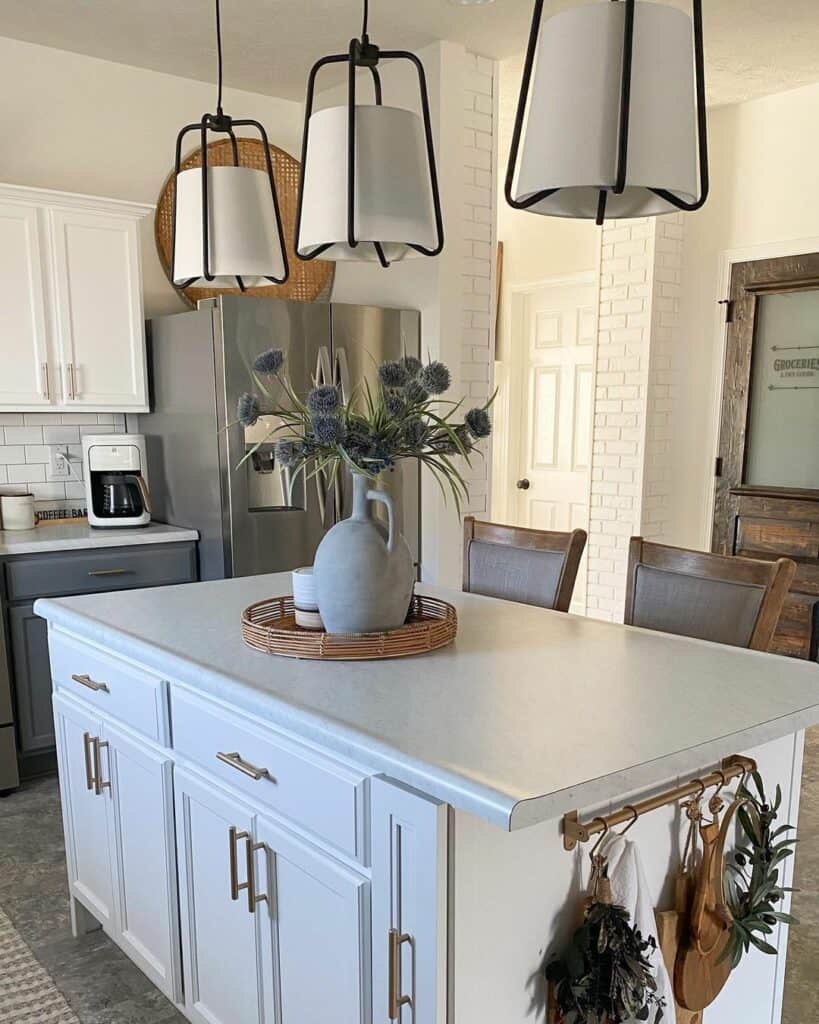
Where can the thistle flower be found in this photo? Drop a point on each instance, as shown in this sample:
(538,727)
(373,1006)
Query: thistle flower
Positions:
(415,393)
(414,432)
(287,453)
(248,409)
(412,365)
(323,400)
(393,403)
(270,361)
(328,430)
(478,423)
(449,447)
(393,374)
(436,378)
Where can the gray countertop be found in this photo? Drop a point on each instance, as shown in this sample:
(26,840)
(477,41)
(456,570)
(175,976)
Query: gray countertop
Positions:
(529,713)
(74,536)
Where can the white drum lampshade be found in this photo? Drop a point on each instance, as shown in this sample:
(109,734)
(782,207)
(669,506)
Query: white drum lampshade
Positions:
(571,136)
(243,234)
(393,196)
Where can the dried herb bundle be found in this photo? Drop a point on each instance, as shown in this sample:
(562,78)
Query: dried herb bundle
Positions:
(605,977)
(752,873)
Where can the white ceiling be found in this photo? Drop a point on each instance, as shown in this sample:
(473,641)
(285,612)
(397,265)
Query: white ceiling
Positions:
(754,47)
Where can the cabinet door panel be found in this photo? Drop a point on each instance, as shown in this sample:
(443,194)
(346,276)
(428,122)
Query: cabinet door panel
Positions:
(219,937)
(409,851)
(318,940)
(23,345)
(32,678)
(84,814)
(141,804)
(100,331)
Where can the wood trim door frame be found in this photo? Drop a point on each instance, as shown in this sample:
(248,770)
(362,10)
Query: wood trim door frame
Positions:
(726,261)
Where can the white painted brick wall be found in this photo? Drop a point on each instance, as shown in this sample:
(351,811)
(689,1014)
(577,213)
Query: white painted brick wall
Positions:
(640,263)
(26,441)
(478,222)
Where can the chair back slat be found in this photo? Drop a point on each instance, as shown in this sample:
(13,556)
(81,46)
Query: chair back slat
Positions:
(537,567)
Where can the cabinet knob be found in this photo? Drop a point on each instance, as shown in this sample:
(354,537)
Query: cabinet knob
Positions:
(523,485)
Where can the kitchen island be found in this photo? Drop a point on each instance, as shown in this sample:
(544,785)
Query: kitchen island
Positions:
(286,824)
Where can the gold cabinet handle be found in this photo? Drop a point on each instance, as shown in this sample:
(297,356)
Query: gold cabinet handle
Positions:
(99,785)
(92,684)
(252,897)
(108,572)
(89,776)
(396,1000)
(236,761)
(45,385)
(72,380)
(233,837)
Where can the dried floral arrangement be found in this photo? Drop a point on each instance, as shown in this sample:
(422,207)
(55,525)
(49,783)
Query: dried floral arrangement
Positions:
(404,417)
(604,976)
(753,889)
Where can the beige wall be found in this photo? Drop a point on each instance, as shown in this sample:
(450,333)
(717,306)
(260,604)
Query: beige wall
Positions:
(764,159)
(79,124)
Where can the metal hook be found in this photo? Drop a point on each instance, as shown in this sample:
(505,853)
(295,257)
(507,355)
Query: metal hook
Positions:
(596,847)
(633,822)
(716,803)
(703,788)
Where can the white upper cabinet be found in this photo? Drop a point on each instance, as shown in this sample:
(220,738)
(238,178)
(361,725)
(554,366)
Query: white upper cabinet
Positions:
(71,288)
(23,340)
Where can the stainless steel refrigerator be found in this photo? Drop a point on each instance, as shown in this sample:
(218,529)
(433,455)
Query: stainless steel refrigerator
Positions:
(250,520)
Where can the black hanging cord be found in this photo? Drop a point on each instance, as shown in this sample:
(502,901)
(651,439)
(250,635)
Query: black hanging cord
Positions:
(366,20)
(219,58)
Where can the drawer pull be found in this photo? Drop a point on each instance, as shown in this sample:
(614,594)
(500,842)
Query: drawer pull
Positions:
(89,776)
(108,572)
(234,760)
(396,1000)
(233,838)
(91,683)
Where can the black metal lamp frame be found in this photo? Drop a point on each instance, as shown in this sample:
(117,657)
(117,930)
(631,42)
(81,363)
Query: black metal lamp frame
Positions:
(364,54)
(220,122)
(625,112)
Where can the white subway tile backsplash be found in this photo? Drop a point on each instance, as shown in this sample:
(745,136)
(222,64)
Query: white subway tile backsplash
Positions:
(98,428)
(77,419)
(11,454)
(10,419)
(61,435)
(39,419)
(73,489)
(38,453)
(47,492)
(24,435)
(26,474)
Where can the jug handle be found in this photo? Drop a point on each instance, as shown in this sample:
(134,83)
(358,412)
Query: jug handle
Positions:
(386,500)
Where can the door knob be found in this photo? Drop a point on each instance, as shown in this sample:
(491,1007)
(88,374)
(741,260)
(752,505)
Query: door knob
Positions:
(523,485)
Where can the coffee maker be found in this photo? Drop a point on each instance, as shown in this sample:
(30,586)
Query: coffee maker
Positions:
(116,483)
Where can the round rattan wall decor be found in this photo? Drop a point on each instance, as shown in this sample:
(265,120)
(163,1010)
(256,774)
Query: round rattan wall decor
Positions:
(307,281)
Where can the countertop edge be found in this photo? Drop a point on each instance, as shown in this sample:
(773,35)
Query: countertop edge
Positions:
(106,539)
(327,733)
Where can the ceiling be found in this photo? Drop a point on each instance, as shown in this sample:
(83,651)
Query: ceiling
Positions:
(754,47)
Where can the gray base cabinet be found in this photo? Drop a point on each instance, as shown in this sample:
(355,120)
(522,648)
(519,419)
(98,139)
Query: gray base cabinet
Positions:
(28,577)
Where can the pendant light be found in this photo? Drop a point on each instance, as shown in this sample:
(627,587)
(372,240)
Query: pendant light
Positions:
(227,228)
(613,100)
(369,187)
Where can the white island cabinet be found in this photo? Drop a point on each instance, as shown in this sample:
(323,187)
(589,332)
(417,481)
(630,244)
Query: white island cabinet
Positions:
(73,335)
(282,842)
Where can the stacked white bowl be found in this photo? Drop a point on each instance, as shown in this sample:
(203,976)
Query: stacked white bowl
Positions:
(304,599)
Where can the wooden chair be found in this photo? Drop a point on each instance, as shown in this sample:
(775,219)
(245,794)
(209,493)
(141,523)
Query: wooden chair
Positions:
(727,600)
(528,566)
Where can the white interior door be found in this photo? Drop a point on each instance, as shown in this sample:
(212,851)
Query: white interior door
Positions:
(558,326)
(24,380)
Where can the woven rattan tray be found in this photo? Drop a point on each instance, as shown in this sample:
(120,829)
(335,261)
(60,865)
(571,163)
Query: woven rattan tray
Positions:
(270,626)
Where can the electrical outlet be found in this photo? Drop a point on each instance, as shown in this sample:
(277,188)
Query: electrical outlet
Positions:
(59,469)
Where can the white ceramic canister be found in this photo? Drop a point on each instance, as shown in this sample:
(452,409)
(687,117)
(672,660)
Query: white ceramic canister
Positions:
(304,599)
(17,511)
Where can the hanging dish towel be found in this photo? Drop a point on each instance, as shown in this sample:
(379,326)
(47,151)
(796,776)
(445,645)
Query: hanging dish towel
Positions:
(630,890)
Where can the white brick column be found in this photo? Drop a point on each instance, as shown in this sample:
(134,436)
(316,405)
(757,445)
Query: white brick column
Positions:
(478,265)
(640,267)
